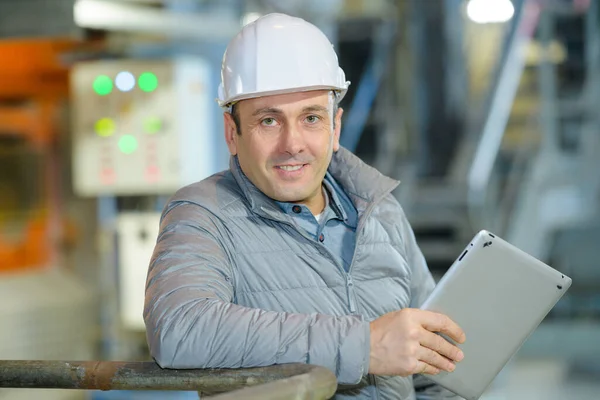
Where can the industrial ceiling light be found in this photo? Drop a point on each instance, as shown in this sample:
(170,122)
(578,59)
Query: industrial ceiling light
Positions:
(490,11)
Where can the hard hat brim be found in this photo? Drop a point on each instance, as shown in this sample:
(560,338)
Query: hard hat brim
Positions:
(341,92)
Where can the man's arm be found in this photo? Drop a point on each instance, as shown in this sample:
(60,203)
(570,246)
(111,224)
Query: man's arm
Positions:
(191,321)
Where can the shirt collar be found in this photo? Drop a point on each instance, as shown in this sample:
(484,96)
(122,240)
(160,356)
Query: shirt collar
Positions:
(334,202)
(288,207)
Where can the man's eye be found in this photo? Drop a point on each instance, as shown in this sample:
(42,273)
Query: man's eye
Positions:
(312,119)
(268,121)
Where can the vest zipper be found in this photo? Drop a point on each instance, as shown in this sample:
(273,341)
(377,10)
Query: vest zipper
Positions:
(349,282)
(350,291)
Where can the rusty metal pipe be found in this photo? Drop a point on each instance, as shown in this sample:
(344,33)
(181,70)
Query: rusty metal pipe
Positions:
(116,375)
(314,385)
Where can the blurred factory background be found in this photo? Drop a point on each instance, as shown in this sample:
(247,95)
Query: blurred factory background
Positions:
(486,110)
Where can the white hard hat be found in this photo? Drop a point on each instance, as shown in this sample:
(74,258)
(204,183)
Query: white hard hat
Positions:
(279,54)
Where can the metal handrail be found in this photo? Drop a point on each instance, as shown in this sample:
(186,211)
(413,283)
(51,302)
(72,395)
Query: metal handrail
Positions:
(300,381)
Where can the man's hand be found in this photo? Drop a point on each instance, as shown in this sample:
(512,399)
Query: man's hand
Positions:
(404,343)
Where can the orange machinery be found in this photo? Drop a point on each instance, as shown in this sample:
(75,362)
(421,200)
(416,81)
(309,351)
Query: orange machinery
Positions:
(33,91)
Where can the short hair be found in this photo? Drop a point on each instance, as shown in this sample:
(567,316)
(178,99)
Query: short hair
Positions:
(236,118)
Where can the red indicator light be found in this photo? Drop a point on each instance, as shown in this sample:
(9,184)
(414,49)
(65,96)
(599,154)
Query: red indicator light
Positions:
(108,176)
(152,173)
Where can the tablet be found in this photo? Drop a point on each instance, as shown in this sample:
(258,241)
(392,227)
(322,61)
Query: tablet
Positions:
(498,295)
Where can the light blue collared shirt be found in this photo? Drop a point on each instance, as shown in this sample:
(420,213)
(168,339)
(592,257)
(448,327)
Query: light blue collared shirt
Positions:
(336,229)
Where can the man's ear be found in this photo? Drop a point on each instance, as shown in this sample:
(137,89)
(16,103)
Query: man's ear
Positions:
(230,132)
(337,129)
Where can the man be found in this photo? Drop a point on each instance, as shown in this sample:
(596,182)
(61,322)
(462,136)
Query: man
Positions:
(299,252)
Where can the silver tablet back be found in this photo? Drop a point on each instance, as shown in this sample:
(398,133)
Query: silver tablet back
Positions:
(498,295)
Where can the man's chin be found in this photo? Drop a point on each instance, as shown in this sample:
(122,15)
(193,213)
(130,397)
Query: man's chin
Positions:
(290,195)
(290,198)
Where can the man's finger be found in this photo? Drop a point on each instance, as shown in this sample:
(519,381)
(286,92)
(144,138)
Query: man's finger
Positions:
(424,368)
(435,359)
(440,345)
(435,322)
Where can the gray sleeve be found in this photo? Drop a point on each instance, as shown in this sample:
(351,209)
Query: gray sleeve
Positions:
(191,321)
(422,282)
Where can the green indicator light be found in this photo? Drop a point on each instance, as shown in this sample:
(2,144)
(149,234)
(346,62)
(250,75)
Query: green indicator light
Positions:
(152,125)
(104,127)
(127,144)
(103,85)
(148,82)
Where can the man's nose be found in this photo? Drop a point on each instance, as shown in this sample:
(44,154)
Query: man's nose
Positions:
(292,140)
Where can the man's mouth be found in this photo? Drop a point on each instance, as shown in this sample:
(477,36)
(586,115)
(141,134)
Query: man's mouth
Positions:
(290,167)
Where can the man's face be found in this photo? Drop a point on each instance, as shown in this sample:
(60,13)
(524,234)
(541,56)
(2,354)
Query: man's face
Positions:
(286,143)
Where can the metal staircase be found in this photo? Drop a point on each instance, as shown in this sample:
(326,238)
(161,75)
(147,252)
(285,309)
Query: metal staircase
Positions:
(527,167)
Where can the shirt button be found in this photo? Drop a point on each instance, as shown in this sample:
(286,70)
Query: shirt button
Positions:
(322,238)
(297,209)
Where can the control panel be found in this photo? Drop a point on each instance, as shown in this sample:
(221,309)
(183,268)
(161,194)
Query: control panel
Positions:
(141,127)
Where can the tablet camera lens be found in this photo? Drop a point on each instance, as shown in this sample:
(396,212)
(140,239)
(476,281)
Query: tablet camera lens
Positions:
(559,286)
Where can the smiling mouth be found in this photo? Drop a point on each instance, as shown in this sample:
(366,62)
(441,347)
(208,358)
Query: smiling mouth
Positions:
(290,167)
